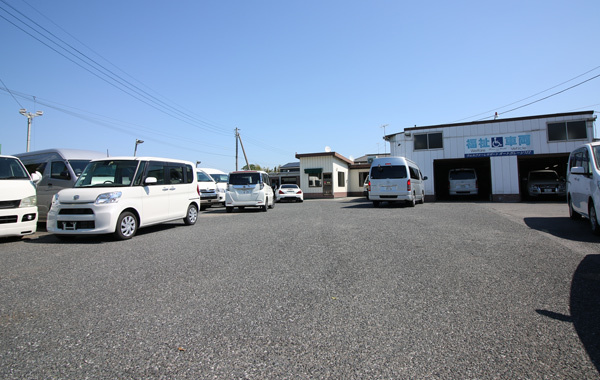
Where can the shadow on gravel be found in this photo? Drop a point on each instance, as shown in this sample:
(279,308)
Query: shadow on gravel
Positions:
(99,239)
(585,307)
(564,228)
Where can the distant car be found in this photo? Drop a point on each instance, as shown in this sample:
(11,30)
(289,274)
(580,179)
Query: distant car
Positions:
(545,182)
(463,182)
(366,187)
(221,179)
(208,190)
(249,188)
(583,184)
(288,191)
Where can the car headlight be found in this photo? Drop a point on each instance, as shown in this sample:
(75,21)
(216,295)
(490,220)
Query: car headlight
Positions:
(55,201)
(108,198)
(29,201)
(220,190)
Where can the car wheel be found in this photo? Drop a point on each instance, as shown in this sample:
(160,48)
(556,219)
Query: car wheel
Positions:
(192,215)
(594,219)
(412,202)
(423,199)
(266,205)
(574,215)
(272,204)
(229,209)
(127,225)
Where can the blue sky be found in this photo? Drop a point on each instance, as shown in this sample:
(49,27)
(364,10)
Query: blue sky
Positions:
(293,76)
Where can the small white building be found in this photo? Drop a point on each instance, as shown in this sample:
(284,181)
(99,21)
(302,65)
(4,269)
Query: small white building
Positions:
(502,151)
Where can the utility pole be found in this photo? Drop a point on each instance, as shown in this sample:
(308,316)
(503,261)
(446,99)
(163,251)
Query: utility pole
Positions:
(236,149)
(29,117)
(243,150)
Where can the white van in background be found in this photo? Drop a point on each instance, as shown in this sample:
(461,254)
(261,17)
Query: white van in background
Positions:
(118,195)
(396,179)
(208,189)
(463,182)
(249,188)
(59,169)
(221,178)
(18,200)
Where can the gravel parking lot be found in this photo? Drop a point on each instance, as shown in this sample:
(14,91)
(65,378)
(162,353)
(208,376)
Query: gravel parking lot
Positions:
(325,289)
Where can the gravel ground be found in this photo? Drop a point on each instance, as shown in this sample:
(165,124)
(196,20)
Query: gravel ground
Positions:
(325,289)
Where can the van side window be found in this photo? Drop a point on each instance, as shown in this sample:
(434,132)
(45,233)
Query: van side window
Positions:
(175,174)
(38,166)
(189,174)
(266,180)
(414,173)
(157,170)
(58,170)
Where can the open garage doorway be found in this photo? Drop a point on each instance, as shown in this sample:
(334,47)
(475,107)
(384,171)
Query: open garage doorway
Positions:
(557,162)
(484,177)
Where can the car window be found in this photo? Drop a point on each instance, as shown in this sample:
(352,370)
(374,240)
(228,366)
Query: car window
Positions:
(462,174)
(289,186)
(157,170)
(388,172)
(78,166)
(203,177)
(108,173)
(596,154)
(543,176)
(244,178)
(220,177)
(11,168)
(58,170)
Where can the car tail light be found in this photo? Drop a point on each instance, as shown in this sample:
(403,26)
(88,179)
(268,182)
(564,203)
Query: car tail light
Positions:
(299,192)
(198,189)
(281,192)
(408,185)
(369,186)
(477,184)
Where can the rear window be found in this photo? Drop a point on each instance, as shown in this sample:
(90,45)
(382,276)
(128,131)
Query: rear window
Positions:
(388,172)
(462,174)
(244,178)
(542,176)
(289,186)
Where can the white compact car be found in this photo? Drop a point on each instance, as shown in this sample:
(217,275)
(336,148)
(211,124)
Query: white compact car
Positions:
(249,188)
(289,191)
(118,195)
(221,179)
(583,184)
(18,200)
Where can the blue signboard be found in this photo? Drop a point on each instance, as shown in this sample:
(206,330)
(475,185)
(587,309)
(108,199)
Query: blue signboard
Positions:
(516,144)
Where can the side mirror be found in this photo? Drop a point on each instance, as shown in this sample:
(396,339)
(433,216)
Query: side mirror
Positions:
(577,170)
(36,177)
(151,181)
(425,178)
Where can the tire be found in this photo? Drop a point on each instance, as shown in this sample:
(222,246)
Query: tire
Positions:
(191,216)
(412,203)
(266,205)
(272,206)
(127,225)
(594,219)
(423,199)
(229,209)
(574,215)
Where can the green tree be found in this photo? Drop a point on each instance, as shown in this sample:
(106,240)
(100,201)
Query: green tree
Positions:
(252,167)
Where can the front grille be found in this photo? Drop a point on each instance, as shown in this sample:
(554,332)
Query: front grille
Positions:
(76,211)
(8,219)
(79,225)
(9,204)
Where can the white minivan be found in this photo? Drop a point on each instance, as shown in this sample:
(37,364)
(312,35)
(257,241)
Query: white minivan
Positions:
(118,195)
(59,168)
(249,188)
(221,178)
(396,179)
(583,184)
(18,200)
(208,189)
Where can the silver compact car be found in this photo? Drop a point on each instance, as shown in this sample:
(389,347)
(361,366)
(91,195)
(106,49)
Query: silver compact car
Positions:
(290,192)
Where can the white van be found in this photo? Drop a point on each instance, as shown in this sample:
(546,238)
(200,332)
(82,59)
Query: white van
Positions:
(221,178)
(59,169)
(121,194)
(396,179)
(249,188)
(208,189)
(18,201)
(583,184)
(463,182)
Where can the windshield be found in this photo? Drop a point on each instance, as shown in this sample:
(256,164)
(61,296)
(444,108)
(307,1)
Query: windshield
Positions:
(596,153)
(11,168)
(78,166)
(220,177)
(289,186)
(543,176)
(244,178)
(462,174)
(388,172)
(203,177)
(108,173)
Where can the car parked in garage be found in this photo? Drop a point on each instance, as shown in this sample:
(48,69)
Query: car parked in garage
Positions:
(545,183)
(583,184)
(463,182)
(289,192)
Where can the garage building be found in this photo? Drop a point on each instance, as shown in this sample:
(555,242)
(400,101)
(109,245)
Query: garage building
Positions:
(502,151)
